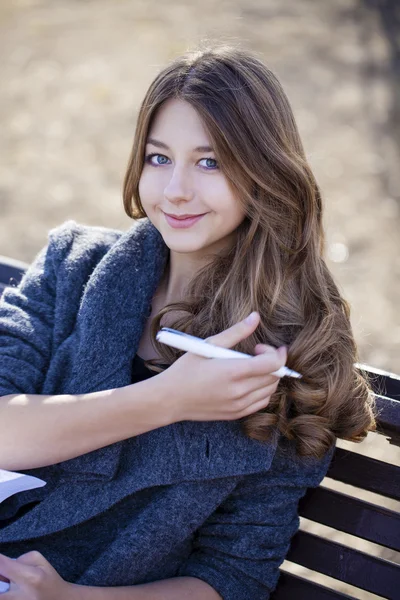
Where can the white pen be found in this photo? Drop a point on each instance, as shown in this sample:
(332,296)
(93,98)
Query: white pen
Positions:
(190,343)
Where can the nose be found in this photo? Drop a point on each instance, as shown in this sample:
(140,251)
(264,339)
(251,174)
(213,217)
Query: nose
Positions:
(179,186)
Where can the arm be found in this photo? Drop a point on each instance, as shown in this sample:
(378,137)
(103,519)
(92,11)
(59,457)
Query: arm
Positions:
(32,576)
(39,430)
(177,588)
(241,546)
(35,429)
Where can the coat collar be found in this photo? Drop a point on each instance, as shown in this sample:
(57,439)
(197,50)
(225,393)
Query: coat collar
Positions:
(115,305)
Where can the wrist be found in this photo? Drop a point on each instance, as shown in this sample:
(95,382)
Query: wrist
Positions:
(163,399)
(75,592)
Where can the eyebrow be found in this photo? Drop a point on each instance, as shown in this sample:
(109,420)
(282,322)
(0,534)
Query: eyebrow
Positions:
(162,145)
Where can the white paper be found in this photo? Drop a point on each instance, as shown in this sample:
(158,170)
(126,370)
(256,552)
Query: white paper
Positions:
(11,483)
(4,587)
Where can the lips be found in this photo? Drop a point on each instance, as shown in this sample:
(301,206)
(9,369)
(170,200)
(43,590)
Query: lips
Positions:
(181,217)
(183,222)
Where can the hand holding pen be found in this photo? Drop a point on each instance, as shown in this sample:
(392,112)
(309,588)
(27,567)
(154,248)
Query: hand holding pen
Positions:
(190,343)
(222,388)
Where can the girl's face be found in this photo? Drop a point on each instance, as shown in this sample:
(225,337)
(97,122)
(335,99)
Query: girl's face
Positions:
(182,177)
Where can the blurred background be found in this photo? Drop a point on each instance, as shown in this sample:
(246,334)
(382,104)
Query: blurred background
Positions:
(73,74)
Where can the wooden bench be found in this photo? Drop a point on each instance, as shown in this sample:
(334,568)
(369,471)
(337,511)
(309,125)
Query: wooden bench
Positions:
(340,511)
(349,514)
(11,271)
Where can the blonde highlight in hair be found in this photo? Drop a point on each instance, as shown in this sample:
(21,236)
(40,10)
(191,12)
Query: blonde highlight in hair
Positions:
(276,265)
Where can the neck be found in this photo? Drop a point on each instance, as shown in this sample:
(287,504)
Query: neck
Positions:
(181,268)
(179,271)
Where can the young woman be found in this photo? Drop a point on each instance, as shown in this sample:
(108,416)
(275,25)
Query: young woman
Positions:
(171,475)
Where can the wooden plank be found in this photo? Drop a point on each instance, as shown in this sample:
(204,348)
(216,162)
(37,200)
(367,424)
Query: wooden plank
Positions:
(292,587)
(10,268)
(357,568)
(388,413)
(351,515)
(388,421)
(390,386)
(382,382)
(366,473)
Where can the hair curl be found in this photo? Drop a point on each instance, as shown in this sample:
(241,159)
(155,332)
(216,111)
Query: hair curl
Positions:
(276,265)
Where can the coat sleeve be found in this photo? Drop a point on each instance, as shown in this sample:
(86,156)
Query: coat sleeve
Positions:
(240,547)
(27,315)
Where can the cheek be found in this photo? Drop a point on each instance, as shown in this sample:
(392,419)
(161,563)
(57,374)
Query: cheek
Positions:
(228,205)
(146,189)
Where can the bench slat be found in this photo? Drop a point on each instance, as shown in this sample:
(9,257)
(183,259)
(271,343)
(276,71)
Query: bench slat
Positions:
(382,382)
(351,515)
(366,473)
(388,421)
(292,586)
(11,269)
(389,412)
(364,571)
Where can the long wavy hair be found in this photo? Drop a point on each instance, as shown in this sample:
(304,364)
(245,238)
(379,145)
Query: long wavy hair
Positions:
(276,265)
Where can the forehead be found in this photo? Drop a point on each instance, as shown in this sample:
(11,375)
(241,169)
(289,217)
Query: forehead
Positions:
(177,120)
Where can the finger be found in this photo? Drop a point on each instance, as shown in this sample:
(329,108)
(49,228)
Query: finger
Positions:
(283,353)
(33,559)
(268,362)
(18,572)
(13,593)
(262,364)
(9,568)
(261,348)
(258,384)
(255,407)
(257,395)
(235,334)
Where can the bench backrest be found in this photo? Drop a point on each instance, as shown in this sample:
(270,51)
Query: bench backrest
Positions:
(335,509)
(11,272)
(346,513)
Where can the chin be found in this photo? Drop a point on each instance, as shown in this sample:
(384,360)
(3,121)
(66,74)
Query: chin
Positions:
(183,248)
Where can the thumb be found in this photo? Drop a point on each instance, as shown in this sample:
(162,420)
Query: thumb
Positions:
(238,332)
(8,569)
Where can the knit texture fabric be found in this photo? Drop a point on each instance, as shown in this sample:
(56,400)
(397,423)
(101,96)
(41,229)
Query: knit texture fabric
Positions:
(193,498)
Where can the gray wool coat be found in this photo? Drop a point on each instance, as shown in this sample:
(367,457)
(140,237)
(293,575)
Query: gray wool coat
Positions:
(197,499)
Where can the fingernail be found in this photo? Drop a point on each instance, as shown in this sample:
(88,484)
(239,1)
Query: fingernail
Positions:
(251,318)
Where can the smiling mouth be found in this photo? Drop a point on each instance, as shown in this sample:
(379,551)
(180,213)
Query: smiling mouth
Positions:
(182,217)
(183,222)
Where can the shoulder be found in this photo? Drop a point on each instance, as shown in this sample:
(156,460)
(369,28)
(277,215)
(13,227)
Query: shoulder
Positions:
(290,469)
(73,246)
(82,238)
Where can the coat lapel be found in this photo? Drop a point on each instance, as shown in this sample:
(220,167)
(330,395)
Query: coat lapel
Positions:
(115,305)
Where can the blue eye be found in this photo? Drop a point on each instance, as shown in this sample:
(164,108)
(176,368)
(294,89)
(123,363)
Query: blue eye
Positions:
(148,159)
(210,167)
